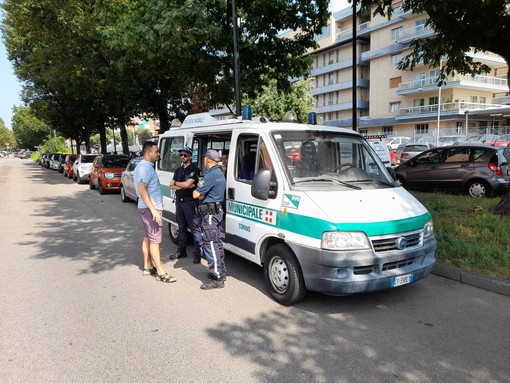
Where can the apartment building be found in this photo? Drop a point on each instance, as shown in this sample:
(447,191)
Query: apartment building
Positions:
(401,103)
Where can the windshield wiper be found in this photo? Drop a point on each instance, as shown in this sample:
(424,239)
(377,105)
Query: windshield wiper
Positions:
(392,184)
(327,180)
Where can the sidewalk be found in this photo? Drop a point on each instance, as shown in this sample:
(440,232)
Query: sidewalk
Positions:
(499,286)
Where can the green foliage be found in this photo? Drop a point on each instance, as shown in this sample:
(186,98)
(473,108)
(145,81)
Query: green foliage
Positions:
(7,139)
(476,239)
(143,135)
(273,103)
(459,25)
(55,145)
(28,130)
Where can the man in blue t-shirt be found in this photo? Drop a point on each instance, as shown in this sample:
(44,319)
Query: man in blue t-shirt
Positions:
(150,209)
(211,193)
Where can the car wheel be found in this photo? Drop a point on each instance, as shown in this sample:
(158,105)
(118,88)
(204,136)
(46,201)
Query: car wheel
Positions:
(174,232)
(478,189)
(91,185)
(283,275)
(123,196)
(100,186)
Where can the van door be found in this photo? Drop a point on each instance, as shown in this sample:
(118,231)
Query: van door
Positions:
(249,219)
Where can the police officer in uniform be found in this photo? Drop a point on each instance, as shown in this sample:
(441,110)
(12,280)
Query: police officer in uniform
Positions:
(211,193)
(184,182)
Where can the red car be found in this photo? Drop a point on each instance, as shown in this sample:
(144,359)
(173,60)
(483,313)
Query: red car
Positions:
(293,153)
(68,165)
(501,141)
(107,171)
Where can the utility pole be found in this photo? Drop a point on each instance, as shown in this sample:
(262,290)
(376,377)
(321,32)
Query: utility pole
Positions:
(354,68)
(237,82)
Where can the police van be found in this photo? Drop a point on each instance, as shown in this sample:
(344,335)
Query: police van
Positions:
(313,205)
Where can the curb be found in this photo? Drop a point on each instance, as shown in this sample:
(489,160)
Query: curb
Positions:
(499,286)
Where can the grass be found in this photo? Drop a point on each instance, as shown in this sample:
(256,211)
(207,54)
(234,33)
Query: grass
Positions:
(469,235)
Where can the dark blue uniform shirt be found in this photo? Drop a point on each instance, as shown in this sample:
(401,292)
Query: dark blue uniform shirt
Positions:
(183,174)
(212,186)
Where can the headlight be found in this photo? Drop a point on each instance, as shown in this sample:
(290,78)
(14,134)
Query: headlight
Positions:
(336,240)
(109,175)
(428,229)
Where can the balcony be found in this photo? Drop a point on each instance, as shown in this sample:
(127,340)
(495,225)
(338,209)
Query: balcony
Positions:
(347,33)
(418,32)
(481,83)
(447,108)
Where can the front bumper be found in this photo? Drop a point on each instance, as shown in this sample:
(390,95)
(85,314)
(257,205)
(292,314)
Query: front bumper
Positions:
(351,272)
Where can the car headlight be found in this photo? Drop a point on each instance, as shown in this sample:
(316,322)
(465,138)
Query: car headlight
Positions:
(109,175)
(337,240)
(428,229)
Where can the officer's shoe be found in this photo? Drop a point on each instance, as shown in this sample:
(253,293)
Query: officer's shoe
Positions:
(177,255)
(223,277)
(196,259)
(214,284)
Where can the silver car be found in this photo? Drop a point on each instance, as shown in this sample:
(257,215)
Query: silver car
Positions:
(476,170)
(127,183)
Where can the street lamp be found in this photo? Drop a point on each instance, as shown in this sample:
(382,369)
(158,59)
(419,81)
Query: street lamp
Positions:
(466,112)
(439,102)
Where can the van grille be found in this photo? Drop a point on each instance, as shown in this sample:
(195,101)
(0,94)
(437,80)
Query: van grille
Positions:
(391,243)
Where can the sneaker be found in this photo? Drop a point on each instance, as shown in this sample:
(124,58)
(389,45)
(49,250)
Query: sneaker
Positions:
(197,259)
(214,284)
(178,255)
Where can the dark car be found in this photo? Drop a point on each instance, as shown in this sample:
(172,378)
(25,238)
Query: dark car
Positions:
(476,170)
(107,171)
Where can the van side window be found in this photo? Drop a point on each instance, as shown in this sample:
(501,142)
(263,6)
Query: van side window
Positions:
(169,153)
(457,155)
(246,157)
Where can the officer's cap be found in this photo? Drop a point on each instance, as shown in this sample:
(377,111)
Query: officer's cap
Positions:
(187,150)
(213,155)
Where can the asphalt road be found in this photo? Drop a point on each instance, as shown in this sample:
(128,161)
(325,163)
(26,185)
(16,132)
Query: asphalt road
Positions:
(75,307)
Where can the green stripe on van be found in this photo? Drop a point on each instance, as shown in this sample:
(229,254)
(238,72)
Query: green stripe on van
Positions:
(313,227)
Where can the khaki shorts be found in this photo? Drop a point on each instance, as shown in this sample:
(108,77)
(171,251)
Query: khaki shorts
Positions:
(152,229)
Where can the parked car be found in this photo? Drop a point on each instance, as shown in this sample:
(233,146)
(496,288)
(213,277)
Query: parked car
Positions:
(68,165)
(476,170)
(450,140)
(106,172)
(127,183)
(42,158)
(394,142)
(55,161)
(501,141)
(47,160)
(61,160)
(382,150)
(408,151)
(484,138)
(82,167)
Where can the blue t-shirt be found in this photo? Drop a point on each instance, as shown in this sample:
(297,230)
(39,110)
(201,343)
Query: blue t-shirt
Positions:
(145,173)
(212,186)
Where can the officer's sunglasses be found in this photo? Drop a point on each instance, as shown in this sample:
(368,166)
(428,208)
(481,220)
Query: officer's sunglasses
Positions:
(184,155)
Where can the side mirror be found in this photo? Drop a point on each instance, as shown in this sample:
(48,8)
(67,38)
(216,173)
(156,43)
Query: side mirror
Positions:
(392,172)
(261,184)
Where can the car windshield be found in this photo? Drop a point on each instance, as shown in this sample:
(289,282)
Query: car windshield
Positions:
(87,159)
(333,158)
(415,148)
(116,162)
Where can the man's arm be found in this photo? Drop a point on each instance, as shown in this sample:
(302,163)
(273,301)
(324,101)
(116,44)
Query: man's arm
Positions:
(144,194)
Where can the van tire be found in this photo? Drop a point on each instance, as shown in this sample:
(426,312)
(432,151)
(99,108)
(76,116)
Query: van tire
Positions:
(283,275)
(173,229)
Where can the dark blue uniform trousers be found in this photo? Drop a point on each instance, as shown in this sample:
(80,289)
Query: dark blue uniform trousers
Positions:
(212,244)
(185,216)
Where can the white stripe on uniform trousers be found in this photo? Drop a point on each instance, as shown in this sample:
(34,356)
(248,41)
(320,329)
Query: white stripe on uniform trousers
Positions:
(215,259)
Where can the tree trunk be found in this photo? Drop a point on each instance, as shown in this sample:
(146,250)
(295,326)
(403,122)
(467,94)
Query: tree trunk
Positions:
(164,124)
(102,138)
(122,120)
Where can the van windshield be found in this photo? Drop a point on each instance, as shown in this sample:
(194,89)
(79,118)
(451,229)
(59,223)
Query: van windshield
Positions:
(318,157)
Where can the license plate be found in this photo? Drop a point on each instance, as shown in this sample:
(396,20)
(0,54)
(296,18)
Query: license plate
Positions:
(402,280)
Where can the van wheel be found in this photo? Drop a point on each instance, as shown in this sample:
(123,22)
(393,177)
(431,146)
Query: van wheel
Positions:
(478,189)
(174,232)
(283,275)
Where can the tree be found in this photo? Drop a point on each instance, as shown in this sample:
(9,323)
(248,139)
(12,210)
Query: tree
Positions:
(272,103)
(7,139)
(459,26)
(28,130)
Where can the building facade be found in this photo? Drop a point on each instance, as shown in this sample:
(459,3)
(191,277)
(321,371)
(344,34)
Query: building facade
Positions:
(401,103)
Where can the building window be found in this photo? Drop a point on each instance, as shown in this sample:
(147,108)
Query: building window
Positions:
(396,33)
(395,59)
(388,130)
(473,99)
(331,99)
(324,33)
(395,81)
(421,128)
(420,25)
(394,107)
(363,132)
(433,100)
(419,102)
(331,57)
(482,100)
(331,79)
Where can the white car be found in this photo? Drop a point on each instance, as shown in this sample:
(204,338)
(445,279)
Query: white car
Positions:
(382,151)
(82,167)
(394,142)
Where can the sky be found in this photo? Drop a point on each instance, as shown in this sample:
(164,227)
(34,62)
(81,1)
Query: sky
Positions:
(10,87)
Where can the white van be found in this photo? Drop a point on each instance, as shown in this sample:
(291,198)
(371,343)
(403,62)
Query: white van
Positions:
(327,217)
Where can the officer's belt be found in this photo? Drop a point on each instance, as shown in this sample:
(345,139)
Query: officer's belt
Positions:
(184,199)
(211,208)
